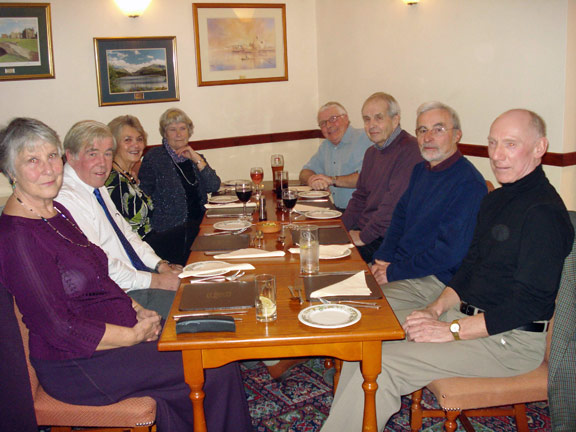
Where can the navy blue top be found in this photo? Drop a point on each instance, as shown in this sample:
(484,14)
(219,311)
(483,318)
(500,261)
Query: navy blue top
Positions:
(433,223)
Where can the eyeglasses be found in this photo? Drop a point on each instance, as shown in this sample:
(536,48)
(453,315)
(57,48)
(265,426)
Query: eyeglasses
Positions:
(436,130)
(331,119)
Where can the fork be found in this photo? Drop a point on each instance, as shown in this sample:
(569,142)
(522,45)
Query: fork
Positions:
(350,303)
(231,278)
(240,231)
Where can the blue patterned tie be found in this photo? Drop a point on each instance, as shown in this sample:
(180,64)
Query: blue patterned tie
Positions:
(134,258)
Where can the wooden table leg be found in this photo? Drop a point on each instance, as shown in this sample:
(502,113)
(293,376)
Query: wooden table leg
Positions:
(194,376)
(371,367)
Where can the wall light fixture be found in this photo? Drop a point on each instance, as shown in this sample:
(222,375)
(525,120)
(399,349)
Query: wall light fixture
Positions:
(133,8)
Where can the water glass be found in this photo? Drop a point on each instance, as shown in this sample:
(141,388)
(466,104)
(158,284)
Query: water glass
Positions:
(309,249)
(265,297)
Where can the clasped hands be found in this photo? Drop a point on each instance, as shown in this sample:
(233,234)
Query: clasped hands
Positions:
(149,325)
(320,182)
(424,326)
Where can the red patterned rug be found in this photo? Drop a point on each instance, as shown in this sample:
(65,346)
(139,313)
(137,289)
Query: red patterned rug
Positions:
(302,401)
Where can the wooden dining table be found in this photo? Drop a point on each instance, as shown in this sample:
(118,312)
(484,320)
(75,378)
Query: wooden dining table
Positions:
(287,337)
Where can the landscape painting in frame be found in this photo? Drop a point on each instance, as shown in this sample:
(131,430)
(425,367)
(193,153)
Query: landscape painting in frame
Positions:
(136,70)
(25,41)
(239,43)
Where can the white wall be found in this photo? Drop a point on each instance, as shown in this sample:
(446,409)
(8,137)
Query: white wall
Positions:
(482,57)
(217,111)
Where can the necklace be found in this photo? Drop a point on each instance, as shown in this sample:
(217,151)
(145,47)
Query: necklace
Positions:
(53,227)
(125,174)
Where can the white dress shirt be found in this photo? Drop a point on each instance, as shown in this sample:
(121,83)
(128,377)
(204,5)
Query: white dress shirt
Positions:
(79,199)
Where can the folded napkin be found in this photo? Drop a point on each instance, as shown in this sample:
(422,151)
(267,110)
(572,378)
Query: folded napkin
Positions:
(250,253)
(208,271)
(352,286)
(301,208)
(229,205)
(328,251)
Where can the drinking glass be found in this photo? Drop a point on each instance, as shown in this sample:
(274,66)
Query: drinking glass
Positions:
(280,183)
(277,163)
(289,198)
(257,175)
(244,192)
(265,297)
(309,249)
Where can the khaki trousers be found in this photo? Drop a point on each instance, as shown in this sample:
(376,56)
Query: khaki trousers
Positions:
(412,293)
(408,366)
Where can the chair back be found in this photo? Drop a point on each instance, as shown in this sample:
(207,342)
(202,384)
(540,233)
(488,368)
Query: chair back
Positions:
(24,333)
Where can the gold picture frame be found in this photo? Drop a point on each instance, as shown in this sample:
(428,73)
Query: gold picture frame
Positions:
(239,43)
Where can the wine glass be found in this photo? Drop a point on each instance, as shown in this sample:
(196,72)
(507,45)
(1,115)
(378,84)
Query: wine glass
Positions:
(244,192)
(257,175)
(289,197)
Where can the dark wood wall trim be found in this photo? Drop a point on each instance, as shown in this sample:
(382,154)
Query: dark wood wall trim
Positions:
(553,159)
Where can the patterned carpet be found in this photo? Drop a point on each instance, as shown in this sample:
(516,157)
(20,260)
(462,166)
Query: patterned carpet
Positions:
(302,401)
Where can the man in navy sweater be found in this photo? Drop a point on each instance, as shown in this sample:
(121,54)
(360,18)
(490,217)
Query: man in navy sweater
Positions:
(433,222)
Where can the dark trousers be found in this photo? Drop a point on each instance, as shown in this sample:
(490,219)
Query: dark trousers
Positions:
(141,370)
(174,244)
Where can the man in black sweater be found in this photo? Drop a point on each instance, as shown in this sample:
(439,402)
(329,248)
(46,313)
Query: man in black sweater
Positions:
(492,318)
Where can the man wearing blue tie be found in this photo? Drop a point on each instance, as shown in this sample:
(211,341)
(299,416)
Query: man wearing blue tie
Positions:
(132,263)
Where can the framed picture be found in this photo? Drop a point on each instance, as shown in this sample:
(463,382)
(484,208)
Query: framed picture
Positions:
(25,41)
(238,43)
(136,70)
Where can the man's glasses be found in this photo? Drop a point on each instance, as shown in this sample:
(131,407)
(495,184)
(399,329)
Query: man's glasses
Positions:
(436,130)
(331,119)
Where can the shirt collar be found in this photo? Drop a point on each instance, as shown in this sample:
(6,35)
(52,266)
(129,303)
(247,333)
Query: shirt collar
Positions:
(391,138)
(445,164)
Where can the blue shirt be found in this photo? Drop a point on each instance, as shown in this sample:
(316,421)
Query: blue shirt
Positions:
(342,159)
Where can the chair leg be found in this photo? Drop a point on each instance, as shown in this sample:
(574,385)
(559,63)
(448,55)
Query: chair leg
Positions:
(521,418)
(416,411)
(450,424)
(466,423)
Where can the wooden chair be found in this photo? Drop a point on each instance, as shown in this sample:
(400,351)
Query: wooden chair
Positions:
(491,397)
(135,414)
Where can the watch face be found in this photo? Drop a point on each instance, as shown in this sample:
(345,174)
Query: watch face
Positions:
(454,327)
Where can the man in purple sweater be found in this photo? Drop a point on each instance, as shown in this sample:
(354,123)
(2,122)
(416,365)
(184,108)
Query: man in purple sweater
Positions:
(384,176)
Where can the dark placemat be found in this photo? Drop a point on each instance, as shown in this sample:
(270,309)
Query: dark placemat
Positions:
(327,236)
(314,283)
(218,295)
(228,212)
(224,242)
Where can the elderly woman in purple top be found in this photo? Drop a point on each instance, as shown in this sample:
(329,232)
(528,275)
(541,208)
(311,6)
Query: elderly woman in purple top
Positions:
(90,343)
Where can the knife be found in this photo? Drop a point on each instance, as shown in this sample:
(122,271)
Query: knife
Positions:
(333,273)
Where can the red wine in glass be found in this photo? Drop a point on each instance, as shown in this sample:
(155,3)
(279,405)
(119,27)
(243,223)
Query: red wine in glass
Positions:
(289,198)
(244,192)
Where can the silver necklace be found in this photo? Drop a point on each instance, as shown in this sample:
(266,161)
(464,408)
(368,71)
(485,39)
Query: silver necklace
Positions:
(53,227)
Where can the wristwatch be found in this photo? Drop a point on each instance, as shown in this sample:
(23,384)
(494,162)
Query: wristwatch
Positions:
(455,329)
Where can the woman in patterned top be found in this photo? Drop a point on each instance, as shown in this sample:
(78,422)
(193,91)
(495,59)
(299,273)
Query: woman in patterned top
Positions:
(123,185)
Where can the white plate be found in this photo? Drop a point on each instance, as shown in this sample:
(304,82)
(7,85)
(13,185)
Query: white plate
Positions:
(222,199)
(218,268)
(300,188)
(314,194)
(329,316)
(232,182)
(232,225)
(323,214)
(344,254)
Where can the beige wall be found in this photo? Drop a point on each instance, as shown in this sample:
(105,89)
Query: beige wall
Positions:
(480,56)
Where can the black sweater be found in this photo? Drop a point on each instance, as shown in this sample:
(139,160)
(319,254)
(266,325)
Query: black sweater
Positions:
(513,267)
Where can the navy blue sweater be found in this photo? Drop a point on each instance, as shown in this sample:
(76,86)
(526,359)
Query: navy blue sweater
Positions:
(433,223)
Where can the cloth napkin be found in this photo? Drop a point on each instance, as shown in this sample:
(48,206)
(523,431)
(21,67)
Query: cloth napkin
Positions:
(301,208)
(328,251)
(352,286)
(229,205)
(250,253)
(204,272)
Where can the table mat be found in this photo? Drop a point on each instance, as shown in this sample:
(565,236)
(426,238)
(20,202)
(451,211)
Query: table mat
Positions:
(224,242)
(218,295)
(314,283)
(327,236)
